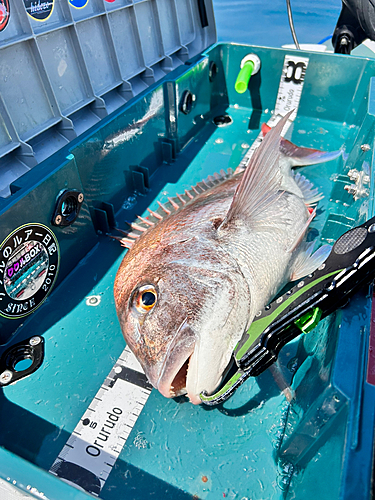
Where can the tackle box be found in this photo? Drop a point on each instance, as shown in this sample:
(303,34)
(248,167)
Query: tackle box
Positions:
(106,108)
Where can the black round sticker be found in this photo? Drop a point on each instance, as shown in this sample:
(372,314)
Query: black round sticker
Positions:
(29,262)
(39,10)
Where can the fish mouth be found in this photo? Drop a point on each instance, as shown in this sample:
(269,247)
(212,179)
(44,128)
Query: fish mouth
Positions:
(178,385)
(173,374)
(177,382)
(173,384)
(181,372)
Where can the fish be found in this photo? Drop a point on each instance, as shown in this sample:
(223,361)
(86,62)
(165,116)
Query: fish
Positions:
(199,268)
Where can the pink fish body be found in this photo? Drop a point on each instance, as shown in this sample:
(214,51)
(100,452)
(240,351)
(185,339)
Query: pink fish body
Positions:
(191,283)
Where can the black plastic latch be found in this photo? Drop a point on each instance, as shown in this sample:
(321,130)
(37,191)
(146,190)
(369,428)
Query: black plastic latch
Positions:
(68,206)
(21,360)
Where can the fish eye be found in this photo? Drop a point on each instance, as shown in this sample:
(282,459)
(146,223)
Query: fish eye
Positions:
(146,298)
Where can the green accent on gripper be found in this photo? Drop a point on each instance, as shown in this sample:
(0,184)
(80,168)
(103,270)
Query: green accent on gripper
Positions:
(224,389)
(257,327)
(309,320)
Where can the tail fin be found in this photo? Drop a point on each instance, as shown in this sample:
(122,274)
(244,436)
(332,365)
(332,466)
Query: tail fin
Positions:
(300,157)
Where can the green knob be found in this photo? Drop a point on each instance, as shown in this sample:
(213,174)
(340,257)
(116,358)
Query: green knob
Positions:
(243,77)
(309,320)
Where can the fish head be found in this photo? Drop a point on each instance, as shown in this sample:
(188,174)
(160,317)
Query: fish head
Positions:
(182,308)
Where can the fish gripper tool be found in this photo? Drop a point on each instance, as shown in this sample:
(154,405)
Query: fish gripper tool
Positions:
(349,266)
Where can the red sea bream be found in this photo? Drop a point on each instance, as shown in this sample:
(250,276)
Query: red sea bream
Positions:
(198,270)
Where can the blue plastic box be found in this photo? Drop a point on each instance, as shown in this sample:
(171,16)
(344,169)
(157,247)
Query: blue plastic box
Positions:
(256,445)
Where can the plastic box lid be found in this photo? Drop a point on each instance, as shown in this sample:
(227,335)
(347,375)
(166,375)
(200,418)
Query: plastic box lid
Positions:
(66,64)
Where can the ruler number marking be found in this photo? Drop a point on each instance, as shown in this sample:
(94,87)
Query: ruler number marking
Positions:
(99,436)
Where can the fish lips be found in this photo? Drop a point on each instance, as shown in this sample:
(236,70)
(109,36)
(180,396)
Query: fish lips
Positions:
(173,373)
(175,379)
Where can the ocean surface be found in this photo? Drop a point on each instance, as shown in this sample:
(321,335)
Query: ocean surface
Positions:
(265,22)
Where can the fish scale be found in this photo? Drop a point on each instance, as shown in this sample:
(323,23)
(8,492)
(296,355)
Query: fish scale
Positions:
(253,250)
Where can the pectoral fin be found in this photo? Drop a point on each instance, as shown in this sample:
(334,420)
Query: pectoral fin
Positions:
(261,181)
(307,262)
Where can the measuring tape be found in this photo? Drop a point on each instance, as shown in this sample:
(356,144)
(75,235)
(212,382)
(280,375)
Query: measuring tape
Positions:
(95,444)
(288,98)
(92,449)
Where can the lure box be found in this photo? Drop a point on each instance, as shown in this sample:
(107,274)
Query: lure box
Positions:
(155,117)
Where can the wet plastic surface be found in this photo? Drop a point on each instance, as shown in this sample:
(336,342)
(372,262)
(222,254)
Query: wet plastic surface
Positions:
(255,446)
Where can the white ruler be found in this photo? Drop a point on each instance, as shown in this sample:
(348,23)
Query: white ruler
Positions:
(288,98)
(92,450)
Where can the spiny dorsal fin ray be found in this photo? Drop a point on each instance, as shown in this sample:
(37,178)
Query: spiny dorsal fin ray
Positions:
(129,237)
(136,227)
(165,210)
(128,233)
(145,221)
(173,205)
(181,199)
(155,214)
(125,242)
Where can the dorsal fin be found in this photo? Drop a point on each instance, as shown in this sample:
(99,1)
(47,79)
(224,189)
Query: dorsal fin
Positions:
(173,205)
(311,195)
